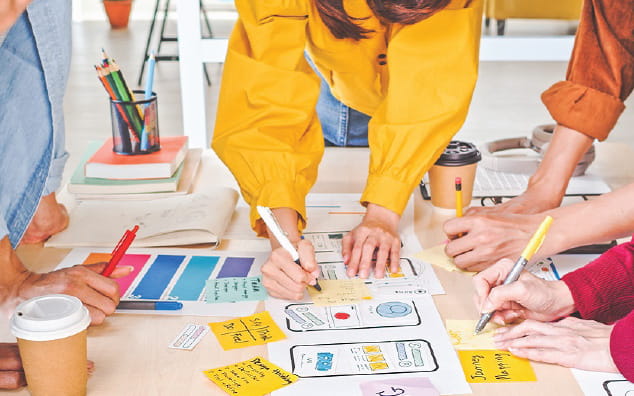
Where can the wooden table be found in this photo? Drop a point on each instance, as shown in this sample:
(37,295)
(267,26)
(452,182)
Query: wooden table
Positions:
(130,351)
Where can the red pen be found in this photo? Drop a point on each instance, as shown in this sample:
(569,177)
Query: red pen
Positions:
(119,250)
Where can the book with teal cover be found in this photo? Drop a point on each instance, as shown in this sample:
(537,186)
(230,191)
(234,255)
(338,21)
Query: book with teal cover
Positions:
(80,184)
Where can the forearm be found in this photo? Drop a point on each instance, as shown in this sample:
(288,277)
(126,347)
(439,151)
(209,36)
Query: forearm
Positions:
(565,150)
(12,275)
(607,217)
(287,218)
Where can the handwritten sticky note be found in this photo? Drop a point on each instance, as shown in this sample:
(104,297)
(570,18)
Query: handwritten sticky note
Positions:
(251,330)
(399,386)
(495,366)
(462,337)
(436,256)
(253,377)
(340,292)
(234,290)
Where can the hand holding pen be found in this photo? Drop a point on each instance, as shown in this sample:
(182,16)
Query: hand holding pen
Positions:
(284,274)
(533,246)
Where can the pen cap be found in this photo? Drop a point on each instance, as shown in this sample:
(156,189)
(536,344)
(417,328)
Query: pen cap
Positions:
(49,317)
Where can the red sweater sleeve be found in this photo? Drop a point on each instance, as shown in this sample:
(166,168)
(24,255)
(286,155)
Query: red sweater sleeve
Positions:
(622,346)
(603,290)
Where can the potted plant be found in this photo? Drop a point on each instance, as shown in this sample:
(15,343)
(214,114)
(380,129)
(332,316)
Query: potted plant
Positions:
(118,12)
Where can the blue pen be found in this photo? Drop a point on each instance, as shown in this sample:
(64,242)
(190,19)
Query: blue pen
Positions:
(149,81)
(151,305)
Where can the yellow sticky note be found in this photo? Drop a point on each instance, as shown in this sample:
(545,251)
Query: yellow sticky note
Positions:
(436,256)
(462,337)
(495,366)
(340,292)
(251,330)
(253,377)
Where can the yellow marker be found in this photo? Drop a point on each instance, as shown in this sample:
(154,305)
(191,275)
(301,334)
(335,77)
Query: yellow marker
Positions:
(533,246)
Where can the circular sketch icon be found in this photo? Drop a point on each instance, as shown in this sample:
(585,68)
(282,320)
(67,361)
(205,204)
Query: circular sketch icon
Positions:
(393,309)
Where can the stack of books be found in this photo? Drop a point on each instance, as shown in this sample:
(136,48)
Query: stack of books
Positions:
(103,174)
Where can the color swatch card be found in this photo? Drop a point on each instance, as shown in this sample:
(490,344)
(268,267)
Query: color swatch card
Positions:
(235,290)
(462,337)
(178,275)
(189,337)
(253,377)
(339,292)
(495,366)
(399,386)
(256,329)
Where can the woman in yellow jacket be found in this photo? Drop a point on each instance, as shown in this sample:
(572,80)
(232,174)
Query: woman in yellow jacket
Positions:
(398,74)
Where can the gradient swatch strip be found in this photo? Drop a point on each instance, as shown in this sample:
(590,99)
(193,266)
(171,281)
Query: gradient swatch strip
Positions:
(191,283)
(158,276)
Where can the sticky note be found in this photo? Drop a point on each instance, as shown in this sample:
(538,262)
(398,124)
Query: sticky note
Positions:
(399,386)
(235,290)
(436,256)
(340,292)
(495,366)
(462,337)
(251,330)
(253,377)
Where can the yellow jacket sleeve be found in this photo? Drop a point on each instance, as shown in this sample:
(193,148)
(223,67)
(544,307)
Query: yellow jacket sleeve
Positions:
(267,131)
(432,74)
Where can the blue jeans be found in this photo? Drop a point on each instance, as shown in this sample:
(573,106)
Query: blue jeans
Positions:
(342,126)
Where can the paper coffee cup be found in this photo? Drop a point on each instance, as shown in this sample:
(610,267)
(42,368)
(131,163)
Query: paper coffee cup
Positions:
(51,333)
(459,159)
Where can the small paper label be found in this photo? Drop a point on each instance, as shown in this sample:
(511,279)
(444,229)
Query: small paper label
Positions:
(189,337)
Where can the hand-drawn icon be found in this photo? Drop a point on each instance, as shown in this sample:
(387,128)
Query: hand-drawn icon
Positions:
(394,309)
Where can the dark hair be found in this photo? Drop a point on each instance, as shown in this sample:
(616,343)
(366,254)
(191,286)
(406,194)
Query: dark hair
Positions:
(405,12)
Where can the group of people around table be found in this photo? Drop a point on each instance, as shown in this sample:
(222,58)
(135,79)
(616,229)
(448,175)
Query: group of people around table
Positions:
(396,76)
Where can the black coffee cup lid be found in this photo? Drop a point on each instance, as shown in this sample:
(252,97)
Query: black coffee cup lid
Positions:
(458,154)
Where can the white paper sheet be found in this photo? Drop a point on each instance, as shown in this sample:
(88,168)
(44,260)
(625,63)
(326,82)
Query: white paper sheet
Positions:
(337,348)
(197,307)
(553,268)
(594,383)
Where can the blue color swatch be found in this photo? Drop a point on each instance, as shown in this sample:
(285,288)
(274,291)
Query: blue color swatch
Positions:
(156,279)
(191,283)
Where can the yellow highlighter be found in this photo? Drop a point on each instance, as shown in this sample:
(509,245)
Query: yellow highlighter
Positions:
(533,246)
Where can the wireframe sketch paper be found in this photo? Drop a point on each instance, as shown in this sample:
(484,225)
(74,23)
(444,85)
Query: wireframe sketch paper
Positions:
(594,383)
(196,218)
(344,346)
(177,275)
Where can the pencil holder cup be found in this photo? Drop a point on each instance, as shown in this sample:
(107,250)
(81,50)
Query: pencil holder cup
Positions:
(135,125)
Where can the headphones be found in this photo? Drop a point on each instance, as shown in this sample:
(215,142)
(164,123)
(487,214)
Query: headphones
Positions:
(538,142)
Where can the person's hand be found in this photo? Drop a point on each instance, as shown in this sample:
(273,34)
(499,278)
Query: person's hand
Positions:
(533,200)
(571,342)
(487,238)
(98,293)
(50,218)
(10,10)
(11,371)
(376,238)
(527,298)
(283,278)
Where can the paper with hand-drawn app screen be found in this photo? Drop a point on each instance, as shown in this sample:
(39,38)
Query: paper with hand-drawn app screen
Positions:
(253,377)
(252,330)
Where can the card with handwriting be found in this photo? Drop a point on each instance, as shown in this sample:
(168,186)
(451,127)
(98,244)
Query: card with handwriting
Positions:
(399,386)
(339,292)
(495,366)
(251,330)
(224,290)
(253,377)
(436,255)
(462,337)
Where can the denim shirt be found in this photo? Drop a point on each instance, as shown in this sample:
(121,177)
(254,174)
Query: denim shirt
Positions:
(34,66)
